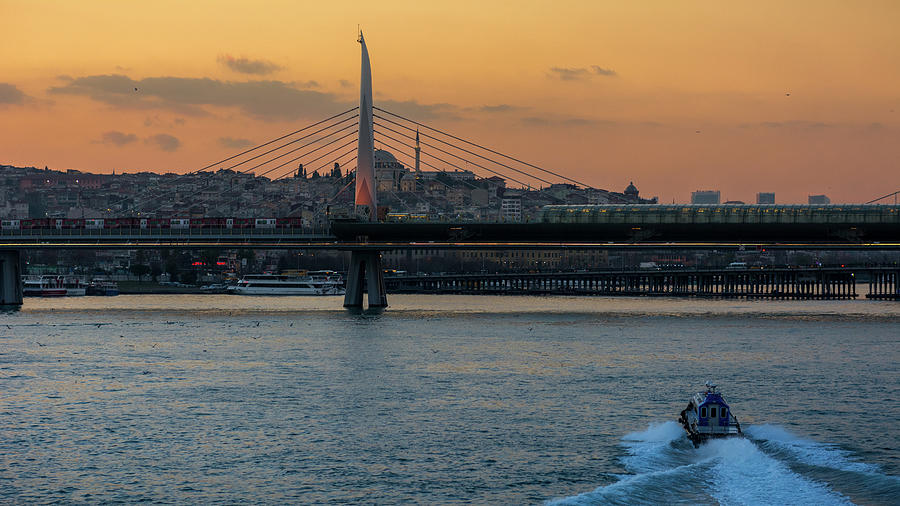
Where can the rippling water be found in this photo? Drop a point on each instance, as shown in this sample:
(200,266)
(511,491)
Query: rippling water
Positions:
(443,399)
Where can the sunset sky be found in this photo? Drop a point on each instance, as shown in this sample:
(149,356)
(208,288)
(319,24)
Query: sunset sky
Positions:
(796,97)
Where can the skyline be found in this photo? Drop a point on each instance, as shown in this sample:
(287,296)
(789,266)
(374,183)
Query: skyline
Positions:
(797,99)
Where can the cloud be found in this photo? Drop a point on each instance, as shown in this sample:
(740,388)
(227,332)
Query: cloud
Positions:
(534,120)
(600,71)
(580,73)
(345,83)
(10,94)
(164,142)
(571,121)
(230,142)
(266,100)
(500,108)
(419,112)
(799,124)
(117,138)
(157,122)
(306,84)
(245,65)
(566,74)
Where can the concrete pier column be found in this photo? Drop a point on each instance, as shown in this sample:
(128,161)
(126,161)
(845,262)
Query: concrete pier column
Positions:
(365,275)
(10,278)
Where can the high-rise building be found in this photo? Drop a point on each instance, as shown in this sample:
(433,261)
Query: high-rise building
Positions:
(765,198)
(706,197)
(819,200)
(511,206)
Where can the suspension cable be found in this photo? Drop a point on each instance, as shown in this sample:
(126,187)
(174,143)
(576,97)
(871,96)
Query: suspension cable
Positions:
(480,147)
(461,158)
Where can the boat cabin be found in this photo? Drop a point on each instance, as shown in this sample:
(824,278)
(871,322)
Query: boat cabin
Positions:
(712,411)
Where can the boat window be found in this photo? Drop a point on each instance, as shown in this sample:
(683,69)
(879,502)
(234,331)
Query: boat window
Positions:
(712,412)
(703,412)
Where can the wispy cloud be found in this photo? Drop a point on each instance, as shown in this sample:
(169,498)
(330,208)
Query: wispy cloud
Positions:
(501,108)
(10,94)
(117,138)
(245,65)
(580,73)
(164,142)
(345,83)
(231,142)
(600,71)
(420,112)
(569,74)
(266,100)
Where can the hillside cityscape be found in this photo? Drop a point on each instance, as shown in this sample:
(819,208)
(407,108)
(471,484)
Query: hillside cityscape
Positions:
(29,192)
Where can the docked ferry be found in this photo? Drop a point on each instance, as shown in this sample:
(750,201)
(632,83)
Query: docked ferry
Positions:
(53,286)
(289,284)
(707,416)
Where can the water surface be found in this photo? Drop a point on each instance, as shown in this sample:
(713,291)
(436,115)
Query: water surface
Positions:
(445,399)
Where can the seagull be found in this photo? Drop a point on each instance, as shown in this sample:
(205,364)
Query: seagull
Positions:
(787,94)
(39,344)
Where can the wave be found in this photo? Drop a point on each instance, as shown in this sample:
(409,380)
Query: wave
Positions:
(666,468)
(809,452)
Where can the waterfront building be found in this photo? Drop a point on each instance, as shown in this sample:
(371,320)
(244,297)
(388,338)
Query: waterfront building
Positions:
(765,198)
(706,197)
(819,200)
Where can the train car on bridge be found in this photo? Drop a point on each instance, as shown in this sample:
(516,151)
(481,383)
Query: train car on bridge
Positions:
(653,214)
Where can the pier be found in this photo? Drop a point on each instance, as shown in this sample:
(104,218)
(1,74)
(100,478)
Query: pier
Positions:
(782,283)
(884,284)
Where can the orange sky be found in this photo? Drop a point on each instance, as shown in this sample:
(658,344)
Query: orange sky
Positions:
(603,91)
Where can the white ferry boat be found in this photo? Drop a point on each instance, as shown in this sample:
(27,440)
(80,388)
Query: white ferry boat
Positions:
(313,283)
(53,286)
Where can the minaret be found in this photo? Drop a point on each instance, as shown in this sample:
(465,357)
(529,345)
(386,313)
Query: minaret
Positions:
(418,150)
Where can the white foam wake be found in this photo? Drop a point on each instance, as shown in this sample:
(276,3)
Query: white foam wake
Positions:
(740,473)
(667,469)
(809,452)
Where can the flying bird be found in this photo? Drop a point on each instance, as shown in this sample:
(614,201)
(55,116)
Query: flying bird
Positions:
(787,94)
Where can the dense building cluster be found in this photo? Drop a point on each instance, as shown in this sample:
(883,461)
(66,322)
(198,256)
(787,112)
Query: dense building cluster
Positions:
(28,192)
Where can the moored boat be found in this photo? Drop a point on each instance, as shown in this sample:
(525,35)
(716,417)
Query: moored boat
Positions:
(103,287)
(53,286)
(286,284)
(707,416)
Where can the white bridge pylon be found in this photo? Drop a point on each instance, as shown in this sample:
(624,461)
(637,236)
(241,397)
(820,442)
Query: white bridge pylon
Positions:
(365,200)
(365,273)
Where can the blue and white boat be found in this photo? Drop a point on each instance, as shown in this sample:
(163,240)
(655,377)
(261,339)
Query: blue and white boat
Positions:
(709,416)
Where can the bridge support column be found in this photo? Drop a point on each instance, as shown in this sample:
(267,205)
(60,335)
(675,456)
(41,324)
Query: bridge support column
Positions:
(10,278)
(365,275)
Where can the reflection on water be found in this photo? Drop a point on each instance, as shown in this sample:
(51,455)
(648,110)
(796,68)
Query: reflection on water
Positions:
(444,399)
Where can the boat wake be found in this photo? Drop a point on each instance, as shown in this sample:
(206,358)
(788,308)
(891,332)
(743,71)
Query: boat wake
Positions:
(771,467)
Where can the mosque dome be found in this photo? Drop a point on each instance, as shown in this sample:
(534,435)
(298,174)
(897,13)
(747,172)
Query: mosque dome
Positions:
(631,190)
(384,156)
